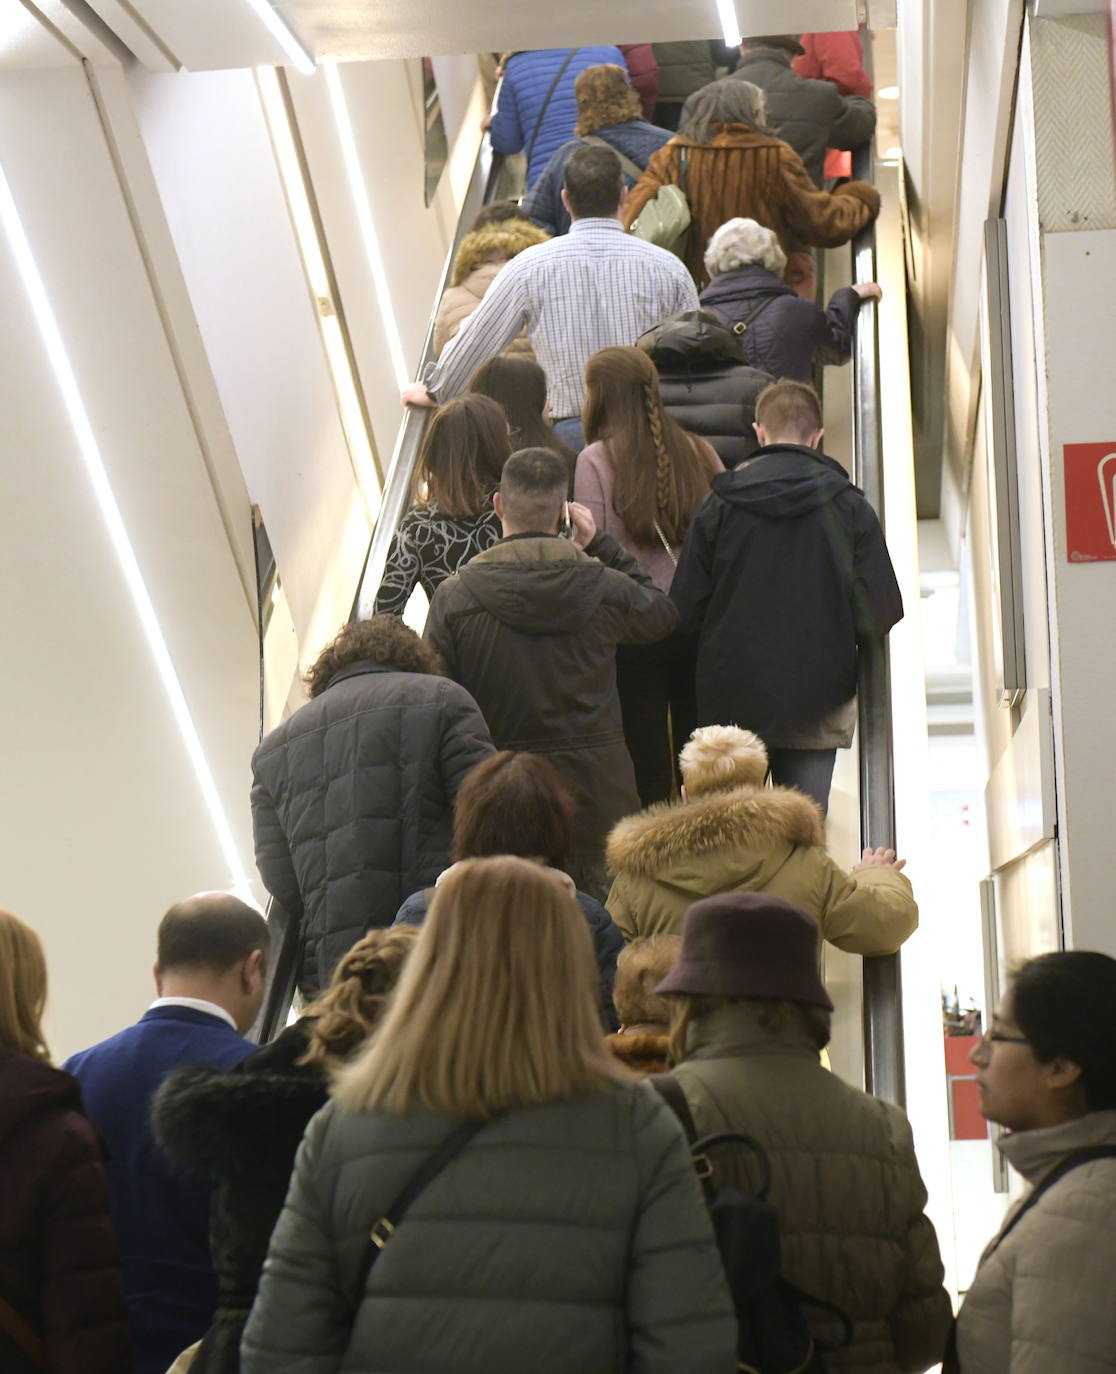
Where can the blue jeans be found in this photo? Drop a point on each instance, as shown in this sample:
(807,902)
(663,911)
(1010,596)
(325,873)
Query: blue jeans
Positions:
(570,432)
(810,770)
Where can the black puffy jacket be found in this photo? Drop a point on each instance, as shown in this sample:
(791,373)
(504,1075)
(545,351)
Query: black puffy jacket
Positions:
(705,383)
(352,801)
(243,1126)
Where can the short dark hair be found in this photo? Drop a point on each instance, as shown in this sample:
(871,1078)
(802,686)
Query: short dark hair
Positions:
(532,487)
(789,411)
(1065,1004)
(514,803)
(211,931)
(593,179)
(383,639)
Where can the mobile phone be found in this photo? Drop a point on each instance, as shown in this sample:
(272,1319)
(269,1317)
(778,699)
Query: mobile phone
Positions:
(566,529)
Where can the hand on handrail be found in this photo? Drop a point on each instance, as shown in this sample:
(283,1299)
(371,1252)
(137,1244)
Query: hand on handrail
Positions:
(416,395)
(868,290)
(879,858)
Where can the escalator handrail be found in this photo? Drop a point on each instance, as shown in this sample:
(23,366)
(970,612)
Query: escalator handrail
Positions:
(883,1008)
(285,930)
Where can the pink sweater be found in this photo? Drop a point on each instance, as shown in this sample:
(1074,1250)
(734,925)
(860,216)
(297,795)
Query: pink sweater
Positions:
(593,488)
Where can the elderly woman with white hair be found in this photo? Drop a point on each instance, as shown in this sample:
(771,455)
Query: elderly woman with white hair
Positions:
(780,332)
(729,164)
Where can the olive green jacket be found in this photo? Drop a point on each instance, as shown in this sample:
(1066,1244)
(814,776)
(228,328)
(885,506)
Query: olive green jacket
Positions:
(568,1238)
(751,839)
(844,1179)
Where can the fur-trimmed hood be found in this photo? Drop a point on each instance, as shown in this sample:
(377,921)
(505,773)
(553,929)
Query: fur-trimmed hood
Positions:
(749,828)
(495,243)
(642,1053)
(239,1122)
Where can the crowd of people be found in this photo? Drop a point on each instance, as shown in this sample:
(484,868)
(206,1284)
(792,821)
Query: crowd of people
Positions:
(557,1096)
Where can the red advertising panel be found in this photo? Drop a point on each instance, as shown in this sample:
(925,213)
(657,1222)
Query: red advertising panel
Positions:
(1090,501)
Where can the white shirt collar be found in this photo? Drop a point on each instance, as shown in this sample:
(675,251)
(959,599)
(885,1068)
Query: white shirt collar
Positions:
(195,1004)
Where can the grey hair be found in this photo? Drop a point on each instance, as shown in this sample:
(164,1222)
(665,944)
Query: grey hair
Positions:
(728,101)
(739,242)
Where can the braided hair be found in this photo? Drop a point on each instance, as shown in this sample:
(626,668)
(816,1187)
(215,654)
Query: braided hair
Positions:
(351,1007)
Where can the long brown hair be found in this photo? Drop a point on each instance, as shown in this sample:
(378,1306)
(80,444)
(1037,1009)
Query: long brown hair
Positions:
(518,385)
(497,1005)
(624,410)
(23,988)
(349,1010)
(463,453)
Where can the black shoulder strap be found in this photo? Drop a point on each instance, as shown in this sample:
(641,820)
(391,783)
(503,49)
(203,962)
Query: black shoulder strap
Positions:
(670,1090)
(546,101)
(741,326)
(424,1175)
(1059,1171)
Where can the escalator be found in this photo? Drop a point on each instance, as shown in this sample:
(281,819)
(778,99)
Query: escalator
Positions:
(883,1058)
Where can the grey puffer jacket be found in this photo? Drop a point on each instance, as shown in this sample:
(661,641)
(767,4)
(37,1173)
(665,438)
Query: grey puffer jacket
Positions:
(352,801)
(845,1181)
(1042,1301)
(809,115)
(568,1238)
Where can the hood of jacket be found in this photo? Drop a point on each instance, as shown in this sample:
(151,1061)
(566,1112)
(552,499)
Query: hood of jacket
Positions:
(495,243)
(642,1051)
(751,283)
(693,339)
(566,585)
(28,1086)
(723,839)
(782,482)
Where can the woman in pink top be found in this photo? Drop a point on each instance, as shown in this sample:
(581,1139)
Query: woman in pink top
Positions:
(643,476)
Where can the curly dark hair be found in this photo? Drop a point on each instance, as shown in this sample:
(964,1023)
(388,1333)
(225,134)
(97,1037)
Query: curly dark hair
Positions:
(383,639)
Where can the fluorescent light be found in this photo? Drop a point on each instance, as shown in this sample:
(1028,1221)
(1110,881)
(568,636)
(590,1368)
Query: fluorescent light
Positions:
(114,523)
(367,225)
(283,36)
(888,93)
(893,154)
(730,24)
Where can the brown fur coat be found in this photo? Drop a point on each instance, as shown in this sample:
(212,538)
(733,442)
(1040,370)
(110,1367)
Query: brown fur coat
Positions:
(751,839)
(480,257)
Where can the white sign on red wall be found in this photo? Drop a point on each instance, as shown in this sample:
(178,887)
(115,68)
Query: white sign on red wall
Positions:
(1090,473)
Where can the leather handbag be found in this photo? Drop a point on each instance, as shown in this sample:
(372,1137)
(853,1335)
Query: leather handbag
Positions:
(666,219)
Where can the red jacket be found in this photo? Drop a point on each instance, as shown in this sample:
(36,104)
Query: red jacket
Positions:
(835,57)
(644,72)
(59,1269)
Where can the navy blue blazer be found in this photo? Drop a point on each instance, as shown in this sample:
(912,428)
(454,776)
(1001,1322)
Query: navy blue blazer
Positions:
(161,1214)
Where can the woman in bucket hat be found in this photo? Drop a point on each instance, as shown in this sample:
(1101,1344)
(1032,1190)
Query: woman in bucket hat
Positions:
(749,1014)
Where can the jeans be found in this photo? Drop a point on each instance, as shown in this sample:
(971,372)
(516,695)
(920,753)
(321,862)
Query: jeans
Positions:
(570,432)
(810,770)
(655,683)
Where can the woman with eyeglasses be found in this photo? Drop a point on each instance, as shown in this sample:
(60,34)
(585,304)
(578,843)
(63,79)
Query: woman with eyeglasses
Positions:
(1044,1294)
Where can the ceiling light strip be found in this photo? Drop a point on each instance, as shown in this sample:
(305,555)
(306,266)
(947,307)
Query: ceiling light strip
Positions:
(368,233)
(283,36)
(114,522)
(730,24)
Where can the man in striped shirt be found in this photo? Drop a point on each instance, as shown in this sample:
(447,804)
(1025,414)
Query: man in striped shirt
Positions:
(595,287)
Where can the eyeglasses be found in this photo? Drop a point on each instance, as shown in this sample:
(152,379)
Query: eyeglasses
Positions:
(997,1038)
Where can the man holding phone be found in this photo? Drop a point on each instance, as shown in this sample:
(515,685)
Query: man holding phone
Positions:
(530,629)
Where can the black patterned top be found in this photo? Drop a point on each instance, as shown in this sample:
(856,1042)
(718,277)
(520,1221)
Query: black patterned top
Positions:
(427,548)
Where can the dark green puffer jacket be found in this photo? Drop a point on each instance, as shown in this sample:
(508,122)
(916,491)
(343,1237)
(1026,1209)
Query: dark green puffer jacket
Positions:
(569,1238)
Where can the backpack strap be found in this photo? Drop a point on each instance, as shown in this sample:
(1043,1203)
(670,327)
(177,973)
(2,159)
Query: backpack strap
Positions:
(631,168)
(546,101)
(425,1174)
(1059,1171)
(670,1090)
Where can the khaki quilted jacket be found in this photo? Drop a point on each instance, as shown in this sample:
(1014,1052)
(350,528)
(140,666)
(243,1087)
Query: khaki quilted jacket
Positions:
(750,840)
(1043,1302)
(844,1179)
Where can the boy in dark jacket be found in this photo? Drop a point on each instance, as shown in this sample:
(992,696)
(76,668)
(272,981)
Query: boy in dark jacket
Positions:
(783,575)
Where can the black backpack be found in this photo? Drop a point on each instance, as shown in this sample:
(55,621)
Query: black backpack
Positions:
(773,1337)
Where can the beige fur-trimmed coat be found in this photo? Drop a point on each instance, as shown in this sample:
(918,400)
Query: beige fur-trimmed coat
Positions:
(751,839)
(480,256)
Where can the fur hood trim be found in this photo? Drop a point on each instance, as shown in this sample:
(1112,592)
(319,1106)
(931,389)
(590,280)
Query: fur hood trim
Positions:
(642,1053)
(756,818)
(495,243)
(233,1122)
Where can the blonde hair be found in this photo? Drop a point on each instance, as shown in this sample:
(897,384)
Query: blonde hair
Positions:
(352,1006)
(23,988)
(640,968)
(497,1006)
(717,758)
(740,242)
(772,1015)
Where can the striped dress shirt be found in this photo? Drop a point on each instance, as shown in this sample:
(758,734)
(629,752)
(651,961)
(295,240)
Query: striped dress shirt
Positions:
(595,287)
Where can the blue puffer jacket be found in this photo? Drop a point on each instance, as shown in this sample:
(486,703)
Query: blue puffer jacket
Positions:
(527,78)
(635,139)
(607,940)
